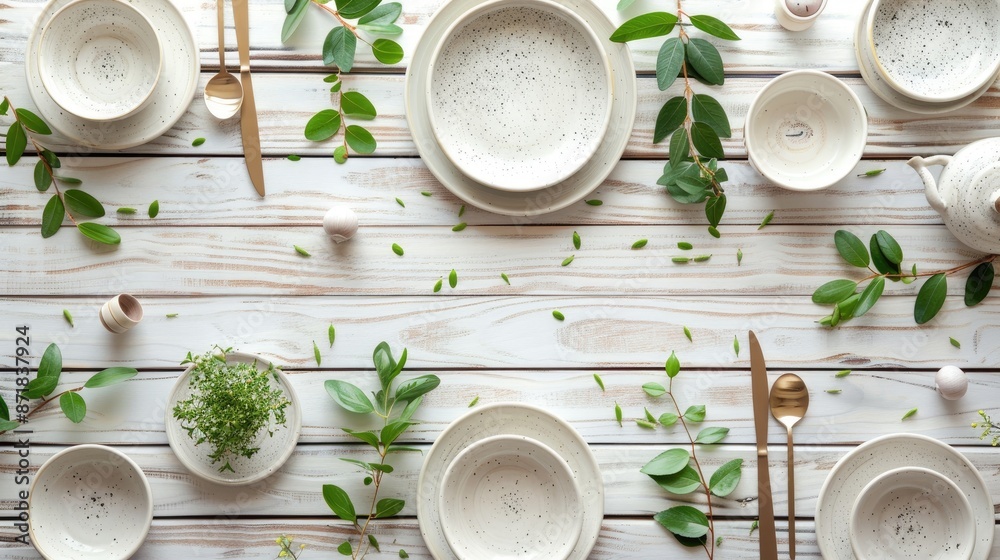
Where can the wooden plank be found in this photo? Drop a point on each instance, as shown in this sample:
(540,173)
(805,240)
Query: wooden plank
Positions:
(214,191)
(871,404)
(514,332)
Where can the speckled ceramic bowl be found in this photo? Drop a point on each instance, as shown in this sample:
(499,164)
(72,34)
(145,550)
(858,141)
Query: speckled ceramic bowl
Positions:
(510,497)
(99,59)
(89,502)
(805,130)
(935,51)
(519,94)
(912,512)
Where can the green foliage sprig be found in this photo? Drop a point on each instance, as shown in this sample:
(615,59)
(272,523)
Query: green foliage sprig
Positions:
(679,471)
(339,48)
(286,550)
(989,428)
(230,404)
(885,262)
(73,203)
(695,123)
(351,398)
(44,384)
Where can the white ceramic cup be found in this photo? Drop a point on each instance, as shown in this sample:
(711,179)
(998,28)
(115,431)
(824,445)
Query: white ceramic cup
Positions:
(89,502)
(510,497)
(801,15)
(99,59)
(121,313)
(912,512)
(805,130)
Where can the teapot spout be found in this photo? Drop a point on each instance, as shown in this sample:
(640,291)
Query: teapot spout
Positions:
(930,184)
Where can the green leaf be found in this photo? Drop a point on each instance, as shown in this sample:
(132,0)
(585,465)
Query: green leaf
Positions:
(881,263)
(453,278)
(411,409)
(382,29)
(618,414)
(869,296)
(345,548)
(739,257)
(909,413)
(383,14)
(355,104)
(339,502)
(353,9)
(706,140)
(767,219)
(437,285)
(890,249)
(73,406)
(83,204)
(7,425)
(668,462)
(851,248)
(568,260)
(32,121)
(668,419)
(715,207)
(110,376)
(331,333)
(639,244)
(842,373)
(293,19)
(126,210)
(51,362)
(340,154)
(474,402)
(668,63)
(323,125)
(683,482)
(714,27)
(978,286)
(726,477)
(52,216)
(417,387)
(339,48)
(154,208)
(397,249)
(360,140)
(706,60)
(100,233)
(368,437)
(594,202)
(576,240)
(653,24)
(695,413)
(645,424)
(654,389)
(5,412)
(673,365)
(714,232)
(43,179)
(349,396)
(40,387)
(197,142)
(679,147)
(706,109)
(670,118)
(711,435)
(403,554)
(687,333)
(684,521)
(834,391)
(4,105)
(600,382)
(393,430)
(930,298)
(17,141)
(954,342)
(388,507)
(51,158)
(834,291)
(872,173)
(384,363)
(387,51)
(317,355)
(374,542)
(736,346)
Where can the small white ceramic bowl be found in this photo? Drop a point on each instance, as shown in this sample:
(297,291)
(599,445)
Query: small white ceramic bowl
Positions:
(510,497)
(912,512)
(805,130)
(89,502)
(519,94)
(798,15)
(99,59)
(935,51)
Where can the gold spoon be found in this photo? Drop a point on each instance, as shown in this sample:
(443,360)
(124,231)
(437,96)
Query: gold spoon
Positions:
(789,401)
(223,93)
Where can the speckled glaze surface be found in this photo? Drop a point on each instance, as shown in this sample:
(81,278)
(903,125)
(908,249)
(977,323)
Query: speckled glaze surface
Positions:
(519,94)
(967,192)
(170,99)
(864,463)
(89,502)
(805,130)
(510,498)
(99,59)
(935,51)
(561,195)
(274,450)
(509,419)
(912,513)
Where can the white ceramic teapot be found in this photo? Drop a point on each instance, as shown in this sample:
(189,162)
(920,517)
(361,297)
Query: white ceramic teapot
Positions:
(967,194)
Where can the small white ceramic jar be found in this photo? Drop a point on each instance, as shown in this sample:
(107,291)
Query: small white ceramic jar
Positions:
(798,15)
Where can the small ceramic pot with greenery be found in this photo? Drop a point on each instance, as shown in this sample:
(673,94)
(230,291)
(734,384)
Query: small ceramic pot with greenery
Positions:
(232,418)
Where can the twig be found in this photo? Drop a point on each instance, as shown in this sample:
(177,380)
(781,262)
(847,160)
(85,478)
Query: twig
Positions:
(710,541)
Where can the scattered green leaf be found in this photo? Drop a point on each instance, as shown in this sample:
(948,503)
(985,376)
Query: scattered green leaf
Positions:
(558,315)
(909,413)
(301,251)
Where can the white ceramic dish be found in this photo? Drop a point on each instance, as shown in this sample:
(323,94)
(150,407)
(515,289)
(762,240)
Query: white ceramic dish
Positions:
(798,15)
(935,51)
(510,498)
(89,502)
(171,97)
(573,189)
(274,449)
(864,463)
(511,419)
(912,512)
(805,130)
(514,112)
(99,59)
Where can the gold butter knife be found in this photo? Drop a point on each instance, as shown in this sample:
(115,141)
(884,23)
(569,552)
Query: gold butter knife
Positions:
(248,112)
(761,416)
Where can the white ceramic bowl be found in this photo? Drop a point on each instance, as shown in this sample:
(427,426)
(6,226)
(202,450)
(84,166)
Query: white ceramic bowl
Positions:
(935,51)
(912,512)
(805,130)
(800,15)
(510,497)
(99,59)
(519,94)
(89,502)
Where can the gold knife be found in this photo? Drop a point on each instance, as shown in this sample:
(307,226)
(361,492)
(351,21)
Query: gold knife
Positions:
(761,415)
(248,112)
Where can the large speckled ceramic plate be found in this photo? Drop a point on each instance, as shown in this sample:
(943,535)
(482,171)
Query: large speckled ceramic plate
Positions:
(513,419)
(883,454)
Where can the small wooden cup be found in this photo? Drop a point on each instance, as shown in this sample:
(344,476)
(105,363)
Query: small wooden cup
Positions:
(121,313)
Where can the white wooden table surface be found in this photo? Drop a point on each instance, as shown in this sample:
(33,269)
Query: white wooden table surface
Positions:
(222,259)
